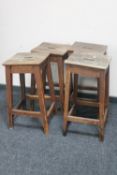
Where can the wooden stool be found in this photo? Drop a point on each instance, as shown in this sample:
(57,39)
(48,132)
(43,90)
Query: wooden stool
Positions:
(57,54)
(35,64)
(88,66)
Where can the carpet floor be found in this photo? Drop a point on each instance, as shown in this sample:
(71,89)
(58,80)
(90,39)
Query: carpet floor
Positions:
(25,150)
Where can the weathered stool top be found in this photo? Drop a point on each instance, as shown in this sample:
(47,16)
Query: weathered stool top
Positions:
(53,48)
(27,58)
(98,61)
(89,47)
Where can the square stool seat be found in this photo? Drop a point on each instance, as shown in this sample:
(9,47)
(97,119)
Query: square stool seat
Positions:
(89,48)
(91,60)
(27,58)
(53,48)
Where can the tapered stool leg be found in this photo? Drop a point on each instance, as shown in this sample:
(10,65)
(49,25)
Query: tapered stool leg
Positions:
(101,105)
(40,92)
(9,91)
(66,102)
(75,92)
(33,90)
(51,84)
(107,89)
(61,80)
(22,85)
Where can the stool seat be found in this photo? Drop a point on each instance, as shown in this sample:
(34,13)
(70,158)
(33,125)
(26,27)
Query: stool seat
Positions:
(27,58)
(89,47)
(53,48)
(89,60)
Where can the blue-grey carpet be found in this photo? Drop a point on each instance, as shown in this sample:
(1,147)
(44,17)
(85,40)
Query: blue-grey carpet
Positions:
(25,150)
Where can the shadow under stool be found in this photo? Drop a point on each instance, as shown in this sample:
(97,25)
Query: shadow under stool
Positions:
(34,64)
(57,54)
(87,65)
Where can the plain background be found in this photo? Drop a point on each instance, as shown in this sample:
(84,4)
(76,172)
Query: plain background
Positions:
(26,23)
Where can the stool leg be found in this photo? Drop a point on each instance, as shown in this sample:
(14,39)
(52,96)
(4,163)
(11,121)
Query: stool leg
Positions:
(32,91)
(71,88)
(107,89)
(66,102)
(101,105)
(75,92)
(40,92)
(51,84)
(106,96)
(61,80)
(22,85)
(44,73)
(9,91)
(98,89)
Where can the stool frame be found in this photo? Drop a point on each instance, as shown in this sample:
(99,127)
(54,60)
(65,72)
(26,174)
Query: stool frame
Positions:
(103,78)
(36,71)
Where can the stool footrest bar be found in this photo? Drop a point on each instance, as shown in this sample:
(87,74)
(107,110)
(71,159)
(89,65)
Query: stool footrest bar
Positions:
(33,114)
(83,120)
(36,97)
(88,102)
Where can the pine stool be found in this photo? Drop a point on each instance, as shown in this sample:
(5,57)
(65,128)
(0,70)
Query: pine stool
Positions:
(88,66)
(35,64)
(57,54)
